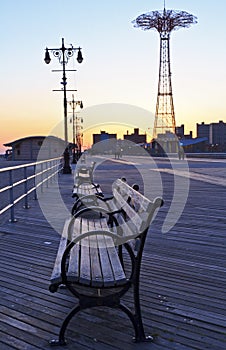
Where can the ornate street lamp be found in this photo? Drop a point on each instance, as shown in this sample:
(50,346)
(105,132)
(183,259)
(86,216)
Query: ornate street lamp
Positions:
(63,54)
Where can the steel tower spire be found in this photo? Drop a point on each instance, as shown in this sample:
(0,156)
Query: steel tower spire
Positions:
(164,22)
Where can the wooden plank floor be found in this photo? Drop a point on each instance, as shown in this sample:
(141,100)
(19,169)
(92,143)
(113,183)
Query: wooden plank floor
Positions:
(182,284)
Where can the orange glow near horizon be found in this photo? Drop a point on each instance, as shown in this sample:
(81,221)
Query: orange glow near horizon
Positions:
(120,64)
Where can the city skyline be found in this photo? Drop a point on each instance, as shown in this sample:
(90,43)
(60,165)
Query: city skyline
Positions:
(120,63)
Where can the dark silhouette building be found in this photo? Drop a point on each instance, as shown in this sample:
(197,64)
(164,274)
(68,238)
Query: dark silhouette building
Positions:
(136,137)
(214,132)
(218,133)
(180,131)
(103,136)
(203,130)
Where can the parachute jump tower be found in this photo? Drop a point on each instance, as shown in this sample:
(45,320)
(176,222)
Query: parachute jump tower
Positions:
(164,22)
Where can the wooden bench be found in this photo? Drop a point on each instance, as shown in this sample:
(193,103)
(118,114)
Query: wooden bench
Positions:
(84,184)
(96,198)
(99,256)
(84,173)
(83,181)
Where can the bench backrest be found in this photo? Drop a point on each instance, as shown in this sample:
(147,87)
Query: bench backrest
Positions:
(137,211)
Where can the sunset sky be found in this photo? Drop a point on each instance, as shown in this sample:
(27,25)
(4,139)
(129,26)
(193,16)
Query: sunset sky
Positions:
(120,65)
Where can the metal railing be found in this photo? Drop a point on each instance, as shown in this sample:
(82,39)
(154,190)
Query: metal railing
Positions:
(18,182)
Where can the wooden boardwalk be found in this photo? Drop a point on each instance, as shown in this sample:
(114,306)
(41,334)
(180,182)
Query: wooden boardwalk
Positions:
(183,282)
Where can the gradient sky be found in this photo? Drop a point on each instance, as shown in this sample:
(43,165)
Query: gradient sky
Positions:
(120,63)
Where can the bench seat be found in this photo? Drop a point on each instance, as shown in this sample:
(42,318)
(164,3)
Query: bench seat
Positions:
(94,260)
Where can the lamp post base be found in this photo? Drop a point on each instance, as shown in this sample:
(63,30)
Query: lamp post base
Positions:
(66,168)
(74,160)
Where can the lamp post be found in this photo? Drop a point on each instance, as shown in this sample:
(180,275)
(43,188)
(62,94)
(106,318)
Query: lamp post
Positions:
(79,135)
(63,54)
(76,129)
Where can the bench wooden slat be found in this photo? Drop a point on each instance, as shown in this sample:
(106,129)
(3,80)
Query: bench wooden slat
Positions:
(96,271)
(85,269)
(108,275)
(128,229)
(73,267)
(132,215)
(144,203)
(112,205)
(107,272)
(56,273)
(139,210)
(117,269)
(102,272)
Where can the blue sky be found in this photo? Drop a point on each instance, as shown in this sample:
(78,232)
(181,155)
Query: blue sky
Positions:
(120,62)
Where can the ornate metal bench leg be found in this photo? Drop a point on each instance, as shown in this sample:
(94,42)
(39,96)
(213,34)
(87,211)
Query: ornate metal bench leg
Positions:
(137,325)
(62,340)
(57,342)
(140,335)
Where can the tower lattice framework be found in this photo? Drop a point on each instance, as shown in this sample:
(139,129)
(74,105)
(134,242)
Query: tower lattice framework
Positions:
(164,22)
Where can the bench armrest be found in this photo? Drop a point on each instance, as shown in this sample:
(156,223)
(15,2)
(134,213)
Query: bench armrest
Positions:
(105,199)
(97,209)
(88,182)
(80,199)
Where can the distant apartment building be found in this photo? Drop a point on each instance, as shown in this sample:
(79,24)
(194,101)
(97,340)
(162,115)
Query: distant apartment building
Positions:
(104,142)
(203,130)
(135,137)
(215,132)
(103,136)
(218,133)
(180,133)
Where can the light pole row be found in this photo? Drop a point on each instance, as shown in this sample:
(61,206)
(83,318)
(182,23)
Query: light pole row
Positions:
(76,129)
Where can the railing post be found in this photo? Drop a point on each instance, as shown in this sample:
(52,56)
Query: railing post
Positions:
(52,171)
(56,169)
(26,205)
(12,219)
(59,168)
(46,174)
(41,177)
(35,192)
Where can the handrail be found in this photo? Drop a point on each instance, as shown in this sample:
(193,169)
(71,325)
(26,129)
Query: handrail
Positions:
(28,164)
(41,172)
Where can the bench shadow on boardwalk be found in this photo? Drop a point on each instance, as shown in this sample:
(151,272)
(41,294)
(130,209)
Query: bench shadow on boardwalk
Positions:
(182,283)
